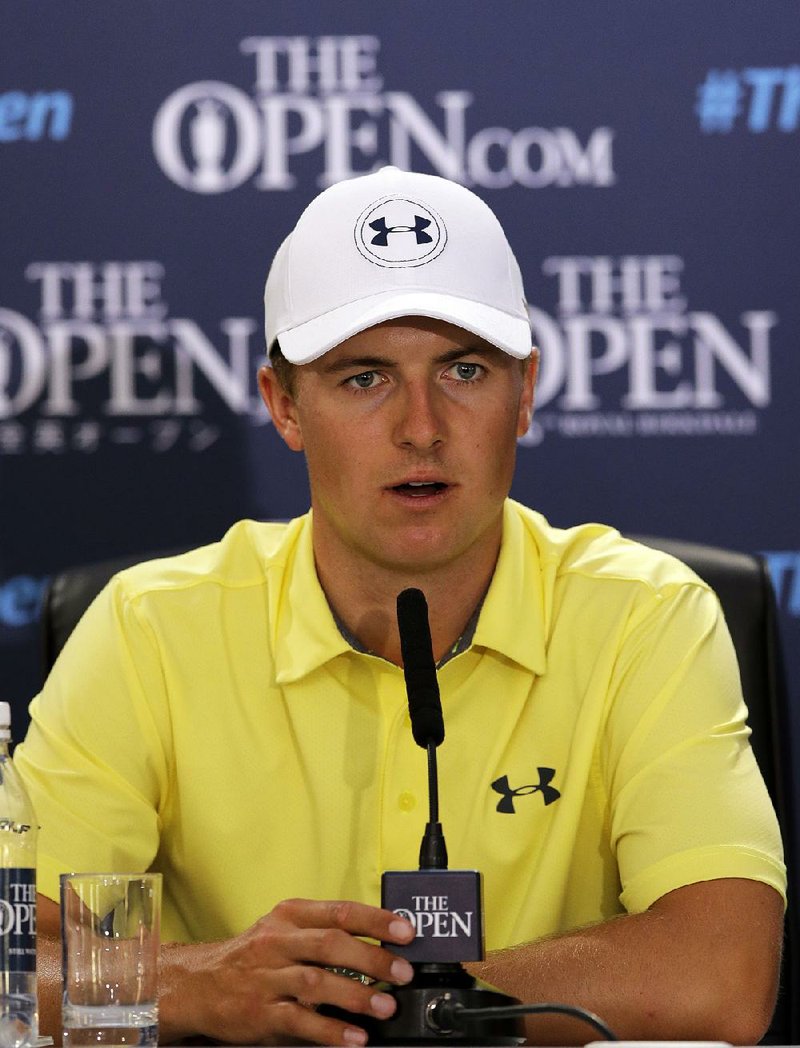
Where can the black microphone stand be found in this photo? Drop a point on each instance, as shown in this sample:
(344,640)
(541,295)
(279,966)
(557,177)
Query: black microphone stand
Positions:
(443,1002)
(428,1007)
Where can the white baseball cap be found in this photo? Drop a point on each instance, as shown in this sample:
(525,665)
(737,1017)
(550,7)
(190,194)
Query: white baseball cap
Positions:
(394,244)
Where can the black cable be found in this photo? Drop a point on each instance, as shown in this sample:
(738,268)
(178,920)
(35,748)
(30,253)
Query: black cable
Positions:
(457,1012)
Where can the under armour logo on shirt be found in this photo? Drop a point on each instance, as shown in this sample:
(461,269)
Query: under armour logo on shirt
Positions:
(506,803)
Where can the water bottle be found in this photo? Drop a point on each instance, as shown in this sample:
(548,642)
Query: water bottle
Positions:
(18,1012)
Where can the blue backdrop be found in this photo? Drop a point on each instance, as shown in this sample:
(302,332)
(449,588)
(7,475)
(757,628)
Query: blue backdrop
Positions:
(642,157)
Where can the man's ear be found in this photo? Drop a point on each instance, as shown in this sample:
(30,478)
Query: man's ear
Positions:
(528,386)
(281,406)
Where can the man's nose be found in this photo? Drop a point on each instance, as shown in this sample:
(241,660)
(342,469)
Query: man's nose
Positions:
(420,423)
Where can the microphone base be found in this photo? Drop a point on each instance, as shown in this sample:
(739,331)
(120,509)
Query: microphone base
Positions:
(415,1020)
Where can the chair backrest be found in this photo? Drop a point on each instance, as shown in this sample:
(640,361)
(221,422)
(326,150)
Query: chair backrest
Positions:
(70,593)
(744,587)
(745,591)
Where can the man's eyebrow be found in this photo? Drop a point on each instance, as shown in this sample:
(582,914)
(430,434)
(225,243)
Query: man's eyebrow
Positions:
(467,351)
(365,363)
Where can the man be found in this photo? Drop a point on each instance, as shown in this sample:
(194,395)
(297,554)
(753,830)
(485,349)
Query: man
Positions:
(236,717)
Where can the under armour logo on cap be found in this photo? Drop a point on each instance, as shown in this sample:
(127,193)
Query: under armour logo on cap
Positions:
(396,232)
(383,231)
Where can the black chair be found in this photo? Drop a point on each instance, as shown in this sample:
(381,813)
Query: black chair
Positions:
(70,593)
(744,588)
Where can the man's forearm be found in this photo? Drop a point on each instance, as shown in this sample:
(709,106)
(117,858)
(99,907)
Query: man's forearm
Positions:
(594,968)
(48,984)
(680,971)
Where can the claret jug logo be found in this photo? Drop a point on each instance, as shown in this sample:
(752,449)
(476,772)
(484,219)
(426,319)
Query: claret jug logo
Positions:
(322,100)
(399,233)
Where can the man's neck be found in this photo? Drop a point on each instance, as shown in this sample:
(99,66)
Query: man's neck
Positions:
(363,596)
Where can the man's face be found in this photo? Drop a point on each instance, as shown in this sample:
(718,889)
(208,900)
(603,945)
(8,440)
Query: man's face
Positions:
(409,430)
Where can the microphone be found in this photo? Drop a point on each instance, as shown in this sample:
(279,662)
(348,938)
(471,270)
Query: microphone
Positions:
(443,1001)
(419,669)
(425,711)
(445,906)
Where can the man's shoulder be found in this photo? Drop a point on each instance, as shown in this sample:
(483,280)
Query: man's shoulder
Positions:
(242,558)
(599,551)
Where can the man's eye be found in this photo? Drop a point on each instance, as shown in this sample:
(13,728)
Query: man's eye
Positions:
(467,372)
(366,380)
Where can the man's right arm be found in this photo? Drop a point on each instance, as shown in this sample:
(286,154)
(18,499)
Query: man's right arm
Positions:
(262,986)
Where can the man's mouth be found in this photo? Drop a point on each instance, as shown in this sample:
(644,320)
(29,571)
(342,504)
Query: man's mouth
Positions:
(420,489)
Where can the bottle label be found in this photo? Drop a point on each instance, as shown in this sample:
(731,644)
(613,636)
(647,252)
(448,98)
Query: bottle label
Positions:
(18,920)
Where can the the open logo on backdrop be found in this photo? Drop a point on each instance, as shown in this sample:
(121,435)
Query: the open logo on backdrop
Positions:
(321,101)
(625,356)
(105,364)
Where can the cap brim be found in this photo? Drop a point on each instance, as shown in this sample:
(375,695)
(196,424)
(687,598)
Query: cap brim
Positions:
(310,340)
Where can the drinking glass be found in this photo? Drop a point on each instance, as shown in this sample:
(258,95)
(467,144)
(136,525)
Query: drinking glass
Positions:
(110,933)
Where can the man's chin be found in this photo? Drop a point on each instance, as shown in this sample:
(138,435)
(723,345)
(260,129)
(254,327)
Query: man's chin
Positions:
(420,553)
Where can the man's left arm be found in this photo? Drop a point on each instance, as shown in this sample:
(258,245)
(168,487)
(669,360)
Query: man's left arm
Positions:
(701,963)
(697,954)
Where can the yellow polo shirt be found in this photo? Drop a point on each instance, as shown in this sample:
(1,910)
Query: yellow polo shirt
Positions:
(208,719)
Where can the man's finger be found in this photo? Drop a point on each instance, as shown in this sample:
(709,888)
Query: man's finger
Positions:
(354,917)
(334,948)
(317,986)
(292,1019)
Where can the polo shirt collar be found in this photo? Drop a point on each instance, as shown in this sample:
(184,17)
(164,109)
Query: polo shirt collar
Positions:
(511,621)
(307,635)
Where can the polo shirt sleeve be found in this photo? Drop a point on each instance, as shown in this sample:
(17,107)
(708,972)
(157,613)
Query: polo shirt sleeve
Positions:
(95,756)
(686,797)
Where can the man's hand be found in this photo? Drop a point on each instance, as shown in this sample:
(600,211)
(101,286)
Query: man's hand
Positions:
(262,986)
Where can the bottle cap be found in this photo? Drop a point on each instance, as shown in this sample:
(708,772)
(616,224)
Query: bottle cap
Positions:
(5,720)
